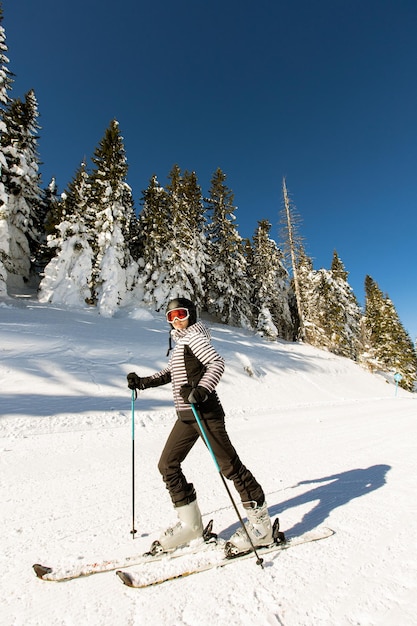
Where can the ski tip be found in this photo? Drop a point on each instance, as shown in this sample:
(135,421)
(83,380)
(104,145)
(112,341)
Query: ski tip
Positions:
(41,570)
(125,578)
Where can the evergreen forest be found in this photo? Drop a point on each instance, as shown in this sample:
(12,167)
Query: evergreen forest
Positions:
(89,245)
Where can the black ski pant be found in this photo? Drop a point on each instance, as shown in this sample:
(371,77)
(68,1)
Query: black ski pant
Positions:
(179,443)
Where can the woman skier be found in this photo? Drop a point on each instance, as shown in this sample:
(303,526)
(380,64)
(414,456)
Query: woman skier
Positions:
(194,369)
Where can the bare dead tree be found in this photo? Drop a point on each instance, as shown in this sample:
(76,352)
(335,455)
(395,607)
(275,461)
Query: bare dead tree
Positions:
(292,244)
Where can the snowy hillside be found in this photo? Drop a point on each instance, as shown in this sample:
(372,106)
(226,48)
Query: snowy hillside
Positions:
(331,444)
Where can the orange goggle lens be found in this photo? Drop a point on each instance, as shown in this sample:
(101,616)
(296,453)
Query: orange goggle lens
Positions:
(177,314)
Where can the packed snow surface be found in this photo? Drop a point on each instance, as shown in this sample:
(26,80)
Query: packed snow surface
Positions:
(332,445)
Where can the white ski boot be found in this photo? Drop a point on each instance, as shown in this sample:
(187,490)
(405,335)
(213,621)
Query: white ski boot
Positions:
(259,527)
(189,527)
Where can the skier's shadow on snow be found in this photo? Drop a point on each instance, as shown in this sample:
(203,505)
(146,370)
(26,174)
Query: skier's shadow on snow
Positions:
(338,490)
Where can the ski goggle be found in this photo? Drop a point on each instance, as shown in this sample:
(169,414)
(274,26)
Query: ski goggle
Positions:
(178,314)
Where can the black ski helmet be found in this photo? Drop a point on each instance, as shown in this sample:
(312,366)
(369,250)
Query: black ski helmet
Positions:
(184,303)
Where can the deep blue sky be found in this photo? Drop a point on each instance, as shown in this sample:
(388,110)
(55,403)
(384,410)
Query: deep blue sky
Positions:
(323,92)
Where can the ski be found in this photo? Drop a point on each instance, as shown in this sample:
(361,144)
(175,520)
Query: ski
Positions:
(66,573)
(215,559)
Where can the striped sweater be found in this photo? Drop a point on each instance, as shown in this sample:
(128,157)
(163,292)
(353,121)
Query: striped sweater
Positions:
(193,362)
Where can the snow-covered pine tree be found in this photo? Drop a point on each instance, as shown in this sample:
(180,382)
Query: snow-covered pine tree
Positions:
(154,234)
(5,86)
(21,179)
(388,346)
(133,237)
(172,223)
(53,216)
(6,76)
(316,308)
(68,275)
(114,271)
(227,292)
(331,312)
(344,313)
(270,287)
(193,242)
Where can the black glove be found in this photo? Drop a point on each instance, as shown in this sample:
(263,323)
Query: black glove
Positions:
(198,395)
(134,381)
(185,392)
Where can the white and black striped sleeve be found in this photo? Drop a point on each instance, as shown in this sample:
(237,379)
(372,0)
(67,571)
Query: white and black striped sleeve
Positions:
(210,358)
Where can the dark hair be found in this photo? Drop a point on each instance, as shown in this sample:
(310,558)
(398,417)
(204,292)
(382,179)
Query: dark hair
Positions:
(178,303)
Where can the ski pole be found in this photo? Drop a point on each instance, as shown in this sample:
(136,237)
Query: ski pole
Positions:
(259,561)
(133,531)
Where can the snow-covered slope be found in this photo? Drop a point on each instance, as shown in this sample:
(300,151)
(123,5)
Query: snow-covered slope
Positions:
(331,444)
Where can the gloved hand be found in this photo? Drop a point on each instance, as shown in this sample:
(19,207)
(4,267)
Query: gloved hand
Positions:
(185,392)
(134,381)
(198,395)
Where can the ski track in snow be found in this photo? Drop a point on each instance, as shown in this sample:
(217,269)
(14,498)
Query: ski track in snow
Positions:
(330,443)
